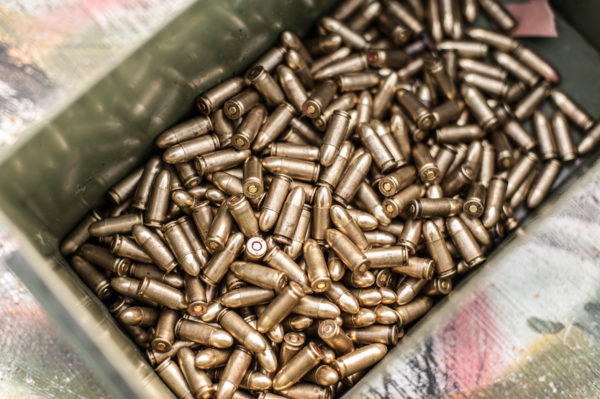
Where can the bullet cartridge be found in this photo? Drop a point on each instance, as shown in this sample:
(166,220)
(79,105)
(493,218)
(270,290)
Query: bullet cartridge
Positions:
(422,268)
(323,375)
(513,129)
(320,215)
(393,256)
(218,265)
(334,136)
(158,201)
(289,217)
(352,178)
(214,306)
(464,48)
(522,191)
(294,168)
(203,217)
(125,247)
(248,129)
(343,298)
(295,368)
(335,337)
(571,110)
(344,102)
(504,152)
(273,202)
(436,247)
(351,38)
(280,307)
(458,179)
(393,206)
(79,235)
(544,135)
(102,257)
(516,68)
(139,316)
(316,267)
(363,318)
(279,260)
(361,20)
(259,275)
(401,12)
(344,222)
(346,249)
(274,125)
(198,381)
(236,106)
(367,297)
(412,311)
(319,99)
(293,150)
(184,131)
(215,97)
(436,70)
(365,220)
(434,207)
(242,331)
(542,186)
(335,266)
(355,81)
(385,315)
(434,19)
(92,277)
(464,241)
(220,160)
(562,135)
(211,358)
(172,376)
(537,63)
(292,343)
(370,203)
(219,230)
(475,66)
(438,286)
(246,296)
(359,279)
(264,83)
(237,365)
(380,238)
(428,170)
(519,172)
(525,108)
(496,195)
(187,150)
(475,101)
(162,294)
(476,228)
(253,185)
(181,247)
(498,14)
(384,96)
(590,140)
(417,111)
(243,214)
(474,204)
(377,334)
(408,289)
(292,86)
(359,359)
(165,331)
(323,44)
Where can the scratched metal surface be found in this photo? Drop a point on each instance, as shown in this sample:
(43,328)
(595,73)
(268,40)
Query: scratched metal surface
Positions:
(527,325)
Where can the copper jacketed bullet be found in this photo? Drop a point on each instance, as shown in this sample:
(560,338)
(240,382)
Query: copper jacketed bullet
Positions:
(298,366)
(359,359)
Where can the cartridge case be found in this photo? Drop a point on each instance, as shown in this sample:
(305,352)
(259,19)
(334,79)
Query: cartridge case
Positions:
(393,206)
(181,247)
(248,129)
(294,168)
(291,345)
(426,166)
(292,86)
(542,186)
(295,368)
(437,71)
(219,230)
(344,222)
(384,96)
(211,358)
(279,260)
(102,257)
(475,101)
(218,265)
(516,68)
(215,97)
(195,296)
(242,331)
(343,298)
(503,149)
(319,98)
(123,246)
(519,172)
(237,365)
(316,266)
(165,331)
(377,334)
(352,178)
(276,122)
(474,204)
(347,251)
(220,160)
(464,241)
(243,214)
(392,256)
(359,359)
(417,111)
(498,14)
(170,373)
(162,293)
(522,191)
(562,135)
(434,207)
(525,108)
(497,192)
(412,311)
(203,217)
(246,296)
(280,307)
(357,81)
(456,134)
(422,268)
(92,277)
(436,247)
(236,106)
(158,202)
(513,129)
(273,202)
(187,150)
(259,275)
(264,83)
(545,136)
(334,136)
(571,110)
(590,140)
(198,381)
(458,179)
(290,215)
(320,215)
(335,337)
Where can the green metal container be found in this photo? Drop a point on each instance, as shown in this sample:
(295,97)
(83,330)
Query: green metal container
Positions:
(56,172)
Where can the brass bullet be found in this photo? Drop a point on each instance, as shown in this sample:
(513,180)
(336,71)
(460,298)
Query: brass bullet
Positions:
(361,20)
(422,268)
(323,375)
(227,183)
(474,203)
(320,215)
(499,40)
(280,307)
(417,111)
(184,131)
(401,12)
(344,102)
(537,63)
(394,206)
(124,246)
(496,195)
(276,122)
(525,108)
(360,359)
(264,83)
(436,246)
(504,152)
(215,97)
(544,135)
(348,252)
(243,214)
(303,390)
(158,201)
(444,159)
(435,22)
(271,58)
(256,381)
(377,334)
(465,242)
(92,277)
(195,296)
(214,306)
(363,318)
(128,288)
(367,296)
(347,225)
(514,130)
(488,163)
(273,202)
(281,261)
(365,220)
(102,257)
(79,235)
(447,15)
(211,358)
(426,166)
(316,267)
(248,129)
(236,106)
(351,38)
(290,215)
(542,186)
(476,228)
(139,316)
(253,186)
(334,136)
(187,150)
(326,59)
(388,295)
(203,217)
(242,331)
(237,365)
(162,293)
(307,358)
(246,296)
(408,289)
(319,99)
(456,134)
(522,191)
(385,315)
(370,202)
(436,70)
(220,160)
(380,238)
(364,108)
(291,345)
(475,66)
(359,279)
(519,172)
(181,248)
(343,298)
(393,256)
(294,168)
(355,81)
(498,14)
(446,112)
(562,135)
(590,140)
(219,230)
(475,101)
(335,337)
(438,286)
(352,178)
(292,150)
(259,275)
(412,311)
(323,44)
(165,331)
(516,68)
(573,111)
(384,96)
(335,266)
(172,376)
(434,207)
(218,265)
(458,179)
(198,381)
(125,188)
(292,86)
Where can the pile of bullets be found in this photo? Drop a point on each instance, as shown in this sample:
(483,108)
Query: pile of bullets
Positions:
(283,239)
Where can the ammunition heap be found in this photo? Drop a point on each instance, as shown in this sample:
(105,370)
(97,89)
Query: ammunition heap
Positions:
(284,239)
